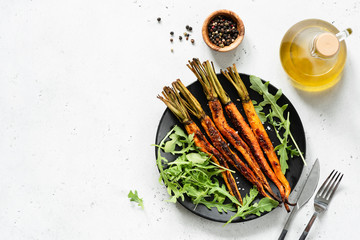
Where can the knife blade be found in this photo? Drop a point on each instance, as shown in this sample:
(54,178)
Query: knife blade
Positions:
(303,196)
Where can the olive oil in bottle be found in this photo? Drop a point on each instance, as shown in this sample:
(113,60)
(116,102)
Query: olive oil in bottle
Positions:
(313,54)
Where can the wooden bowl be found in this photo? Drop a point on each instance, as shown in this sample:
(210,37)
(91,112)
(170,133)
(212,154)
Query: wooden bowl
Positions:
(228,14)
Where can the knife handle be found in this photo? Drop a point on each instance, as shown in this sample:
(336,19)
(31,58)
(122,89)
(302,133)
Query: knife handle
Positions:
(283,234)
(285,229)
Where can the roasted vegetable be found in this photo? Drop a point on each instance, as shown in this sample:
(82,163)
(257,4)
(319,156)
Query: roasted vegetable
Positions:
(258,129)
(193,173)
(212,89)
(278,119)
(217,139)
(172,101)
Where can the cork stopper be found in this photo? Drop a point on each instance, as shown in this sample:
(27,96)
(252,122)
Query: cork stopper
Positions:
(327,44)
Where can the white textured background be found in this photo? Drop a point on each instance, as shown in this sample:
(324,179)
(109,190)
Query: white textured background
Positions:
(78,115)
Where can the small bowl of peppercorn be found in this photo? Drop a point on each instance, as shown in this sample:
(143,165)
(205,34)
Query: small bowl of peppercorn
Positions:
(223,30)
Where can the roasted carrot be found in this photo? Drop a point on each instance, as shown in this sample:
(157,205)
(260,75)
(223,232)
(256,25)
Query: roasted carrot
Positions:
(203,143)
(216,138)
(206,76)
(245,131)
(258,129)
(171,99)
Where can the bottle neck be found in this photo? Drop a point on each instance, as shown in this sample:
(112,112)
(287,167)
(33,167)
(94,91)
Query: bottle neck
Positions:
(344,34)
(325,45)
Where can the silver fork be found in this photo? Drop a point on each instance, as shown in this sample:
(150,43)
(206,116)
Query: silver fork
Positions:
(323,197)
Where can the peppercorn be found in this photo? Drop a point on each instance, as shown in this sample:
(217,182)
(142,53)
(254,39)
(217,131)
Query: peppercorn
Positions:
(192,41)
(180,38)
(172,33)
(222,31)
(171,40)
(190,29)
(158,19)
(187,27)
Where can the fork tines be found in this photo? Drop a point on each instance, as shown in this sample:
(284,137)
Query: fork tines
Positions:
(330,185)
(323,197)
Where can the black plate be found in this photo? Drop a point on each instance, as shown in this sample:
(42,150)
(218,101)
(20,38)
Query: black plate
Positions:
(168,120)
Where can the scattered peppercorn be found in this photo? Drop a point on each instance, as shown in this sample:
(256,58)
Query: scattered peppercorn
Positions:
(222,31)
(186,35)
(158,19)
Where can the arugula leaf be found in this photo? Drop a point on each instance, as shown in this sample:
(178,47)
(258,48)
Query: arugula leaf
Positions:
(135,198)
(246,202)
(263,89)
(259,110)
(249,198)
(170,145)
(283,147)
(221,207)
(178,130)
(194,175)
(196,157)
(171,187)
(277,119)
(264,205)
(178,138)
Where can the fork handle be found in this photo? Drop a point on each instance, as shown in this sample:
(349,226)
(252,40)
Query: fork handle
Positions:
(308,226)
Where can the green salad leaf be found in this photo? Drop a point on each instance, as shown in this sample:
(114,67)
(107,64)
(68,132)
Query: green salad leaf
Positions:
(134,197)
(259,110)
(264,205)
(283,147)
(196,157)
(193,174)
(276,118)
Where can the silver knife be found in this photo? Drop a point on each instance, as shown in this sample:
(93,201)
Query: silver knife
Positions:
(305,193)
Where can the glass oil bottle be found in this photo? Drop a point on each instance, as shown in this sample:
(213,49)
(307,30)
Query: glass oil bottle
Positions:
(313,54)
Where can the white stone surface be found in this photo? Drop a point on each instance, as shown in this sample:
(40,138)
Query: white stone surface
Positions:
(78,115)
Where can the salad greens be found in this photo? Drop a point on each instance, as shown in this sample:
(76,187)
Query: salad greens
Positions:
(276,118)
(194,174)
(134,197)
(264,205)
